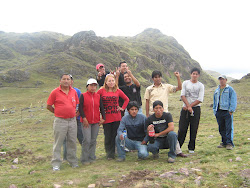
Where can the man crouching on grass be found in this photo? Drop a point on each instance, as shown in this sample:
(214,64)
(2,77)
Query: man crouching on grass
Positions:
(133,123)
(161,123)
(64,98)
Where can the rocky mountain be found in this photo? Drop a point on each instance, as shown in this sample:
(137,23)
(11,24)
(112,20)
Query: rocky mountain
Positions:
(28,56)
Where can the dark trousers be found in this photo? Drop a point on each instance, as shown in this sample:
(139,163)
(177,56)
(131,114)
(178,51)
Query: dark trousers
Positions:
(166,142)
(110,132)
(225,122)
(185,120)
(79,137)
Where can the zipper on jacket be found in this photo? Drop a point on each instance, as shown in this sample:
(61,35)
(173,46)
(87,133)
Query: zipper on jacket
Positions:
(93,107)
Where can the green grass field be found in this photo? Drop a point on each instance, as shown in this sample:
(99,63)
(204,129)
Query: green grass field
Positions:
(27,134)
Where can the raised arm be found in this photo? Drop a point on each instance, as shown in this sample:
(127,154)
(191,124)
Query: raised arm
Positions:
(177,74)
(136,82)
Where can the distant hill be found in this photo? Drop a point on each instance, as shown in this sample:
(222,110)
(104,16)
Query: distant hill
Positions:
(215,75)
(29,57)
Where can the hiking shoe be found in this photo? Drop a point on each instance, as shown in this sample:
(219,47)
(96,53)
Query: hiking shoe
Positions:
(56,168)
(120,159)
(171,160)
(141,159)
(191,151)
(221,145)
(181,155)
(156,156)
(229,147)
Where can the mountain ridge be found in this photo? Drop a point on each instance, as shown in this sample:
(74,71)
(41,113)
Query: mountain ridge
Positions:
(51,54)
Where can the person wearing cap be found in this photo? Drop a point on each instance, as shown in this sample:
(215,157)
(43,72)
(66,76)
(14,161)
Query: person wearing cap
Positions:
(225,102)
(90,108)
(133,123)
(79,124)
(62,103)
(110,94)
(192,95)
(100,68)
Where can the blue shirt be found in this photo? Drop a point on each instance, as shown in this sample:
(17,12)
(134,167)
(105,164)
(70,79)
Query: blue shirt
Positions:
(78,94)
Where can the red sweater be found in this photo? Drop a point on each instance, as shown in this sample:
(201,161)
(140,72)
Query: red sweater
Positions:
(90,107)
(111,102)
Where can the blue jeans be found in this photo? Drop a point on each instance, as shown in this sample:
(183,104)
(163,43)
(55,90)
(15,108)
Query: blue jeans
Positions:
(131,145)
(225,122)
(139,112)
(79,137)
(165,142)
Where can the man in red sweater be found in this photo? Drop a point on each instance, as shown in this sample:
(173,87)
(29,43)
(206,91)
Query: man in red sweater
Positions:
(62,103)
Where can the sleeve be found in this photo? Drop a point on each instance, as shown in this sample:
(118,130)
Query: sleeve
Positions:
(183,91)
(201,93)
(81,106)
(102,109)
(233,100)
(121,126)
(124,97)
(214,103)
(52,98)
(146,95)
(99,92)
(171,88)
(146,138)
(169,118)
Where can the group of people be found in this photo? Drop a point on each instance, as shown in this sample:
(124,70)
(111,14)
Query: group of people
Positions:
(117,105)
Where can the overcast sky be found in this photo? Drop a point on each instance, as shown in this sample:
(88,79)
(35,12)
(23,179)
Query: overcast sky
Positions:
(216,33)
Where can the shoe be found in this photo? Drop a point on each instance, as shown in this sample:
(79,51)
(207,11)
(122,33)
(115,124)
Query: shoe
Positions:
(56,168)
(171,160)
(221,145)
(181,155)
(75,166)
(120,160)
(110,158)
(191,151)
(229,147)
(140,159)
(156,156)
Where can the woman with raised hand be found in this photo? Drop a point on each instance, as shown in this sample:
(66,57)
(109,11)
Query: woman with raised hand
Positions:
(110,94)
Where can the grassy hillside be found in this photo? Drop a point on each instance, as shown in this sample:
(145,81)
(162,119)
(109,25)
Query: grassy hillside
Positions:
(29,57)
(26,133)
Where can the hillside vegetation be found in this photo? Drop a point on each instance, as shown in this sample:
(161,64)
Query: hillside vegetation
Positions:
(33,57)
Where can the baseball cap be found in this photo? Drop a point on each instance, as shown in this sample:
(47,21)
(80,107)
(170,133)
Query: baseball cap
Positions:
(99,65)
(91,81)
(222,76)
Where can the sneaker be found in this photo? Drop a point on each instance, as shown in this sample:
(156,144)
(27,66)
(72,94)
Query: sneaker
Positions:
(171,160)
(191,151)
(221,145)
(120,160)
(56,168)
(181,155)
(229,147)
(156,156)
